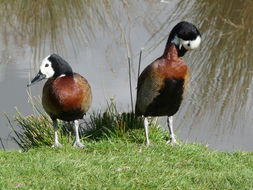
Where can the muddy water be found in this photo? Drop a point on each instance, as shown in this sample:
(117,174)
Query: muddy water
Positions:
(97,37)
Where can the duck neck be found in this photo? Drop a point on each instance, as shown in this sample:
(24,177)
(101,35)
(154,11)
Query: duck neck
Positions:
(175,41)
(171,52)
(63,75)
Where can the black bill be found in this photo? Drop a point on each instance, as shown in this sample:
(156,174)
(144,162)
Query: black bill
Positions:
(37,78)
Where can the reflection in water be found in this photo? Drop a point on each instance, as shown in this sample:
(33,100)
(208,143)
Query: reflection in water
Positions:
(99,35)
(48,24)
(53,24)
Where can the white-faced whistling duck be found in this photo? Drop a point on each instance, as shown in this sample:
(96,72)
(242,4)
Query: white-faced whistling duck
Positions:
(161,84)
(66,95)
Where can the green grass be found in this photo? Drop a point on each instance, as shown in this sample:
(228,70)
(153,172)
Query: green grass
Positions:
(116,157)
(120,164)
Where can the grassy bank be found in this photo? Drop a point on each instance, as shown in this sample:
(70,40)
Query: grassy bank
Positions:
(115,157)
(120,164)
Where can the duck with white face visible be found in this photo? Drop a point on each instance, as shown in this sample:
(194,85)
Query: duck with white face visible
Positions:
(66,95)
(161,85)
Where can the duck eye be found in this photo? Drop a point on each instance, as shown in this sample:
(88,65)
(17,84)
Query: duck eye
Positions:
(46,65)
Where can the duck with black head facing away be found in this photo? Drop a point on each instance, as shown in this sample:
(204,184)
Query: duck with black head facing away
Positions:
(66,95)
(161,85)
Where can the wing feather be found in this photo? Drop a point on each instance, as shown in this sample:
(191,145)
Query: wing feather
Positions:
(147,88)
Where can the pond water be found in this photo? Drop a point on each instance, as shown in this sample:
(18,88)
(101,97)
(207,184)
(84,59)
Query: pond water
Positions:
(96,37)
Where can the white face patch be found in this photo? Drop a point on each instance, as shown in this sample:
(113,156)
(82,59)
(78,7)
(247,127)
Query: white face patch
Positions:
(191,44)
(46,68)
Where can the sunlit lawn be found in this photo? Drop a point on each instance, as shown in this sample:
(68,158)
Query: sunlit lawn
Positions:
(123,164)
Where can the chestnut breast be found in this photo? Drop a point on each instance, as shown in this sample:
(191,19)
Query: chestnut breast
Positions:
(67,98)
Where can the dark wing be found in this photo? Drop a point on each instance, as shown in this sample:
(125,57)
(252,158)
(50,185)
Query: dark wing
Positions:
(147,88)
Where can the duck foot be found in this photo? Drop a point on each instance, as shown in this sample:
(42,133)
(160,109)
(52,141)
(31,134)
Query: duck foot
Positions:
(57,145)
(78,145)
(172,141)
